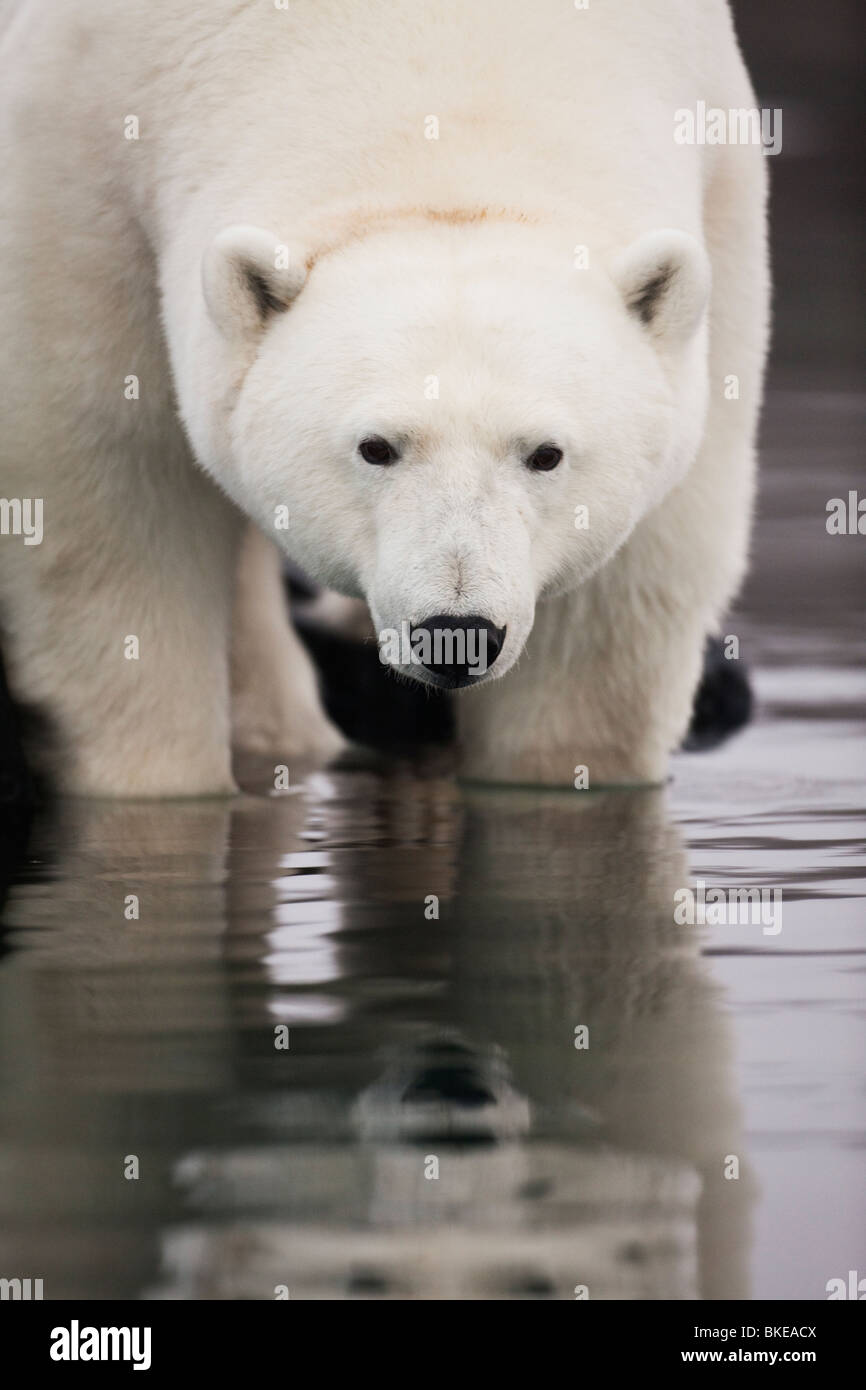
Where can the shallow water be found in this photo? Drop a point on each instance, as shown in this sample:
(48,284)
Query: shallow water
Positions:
(414,1038)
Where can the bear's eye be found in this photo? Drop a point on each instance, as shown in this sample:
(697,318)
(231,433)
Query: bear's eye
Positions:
(375,449)
(545,457)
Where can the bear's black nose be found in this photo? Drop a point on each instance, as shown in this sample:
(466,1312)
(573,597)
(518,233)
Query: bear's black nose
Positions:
(457,650)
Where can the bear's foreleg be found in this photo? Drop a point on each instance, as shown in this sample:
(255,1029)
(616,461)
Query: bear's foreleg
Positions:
(276,707)
(117,626)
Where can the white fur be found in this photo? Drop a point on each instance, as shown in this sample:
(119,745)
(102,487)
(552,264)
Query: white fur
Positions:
(286,149)
(275,702)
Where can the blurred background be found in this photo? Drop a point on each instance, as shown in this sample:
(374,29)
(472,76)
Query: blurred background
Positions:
(806,59)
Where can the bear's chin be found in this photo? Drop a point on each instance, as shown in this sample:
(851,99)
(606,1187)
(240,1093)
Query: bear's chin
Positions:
(447,685)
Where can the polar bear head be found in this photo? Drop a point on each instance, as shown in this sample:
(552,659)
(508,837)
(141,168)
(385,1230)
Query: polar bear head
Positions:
(453,421)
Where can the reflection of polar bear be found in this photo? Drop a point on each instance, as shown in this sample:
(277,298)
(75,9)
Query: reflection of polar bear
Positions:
(431,289)
(557,1167)
(411,1037)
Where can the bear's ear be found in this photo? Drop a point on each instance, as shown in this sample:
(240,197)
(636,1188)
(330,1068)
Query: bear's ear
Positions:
(248,275)
(664,278)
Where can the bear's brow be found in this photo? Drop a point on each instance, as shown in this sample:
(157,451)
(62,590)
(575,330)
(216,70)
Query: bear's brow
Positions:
(364,222)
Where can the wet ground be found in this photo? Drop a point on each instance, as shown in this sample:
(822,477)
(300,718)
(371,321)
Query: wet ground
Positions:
(427,1125)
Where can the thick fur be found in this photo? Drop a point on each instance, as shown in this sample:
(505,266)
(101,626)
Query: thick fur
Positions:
(288,264)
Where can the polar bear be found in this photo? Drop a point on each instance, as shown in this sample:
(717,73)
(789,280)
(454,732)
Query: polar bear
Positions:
(432,301)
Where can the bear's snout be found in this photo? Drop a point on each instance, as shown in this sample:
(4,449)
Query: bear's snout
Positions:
(457,650)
